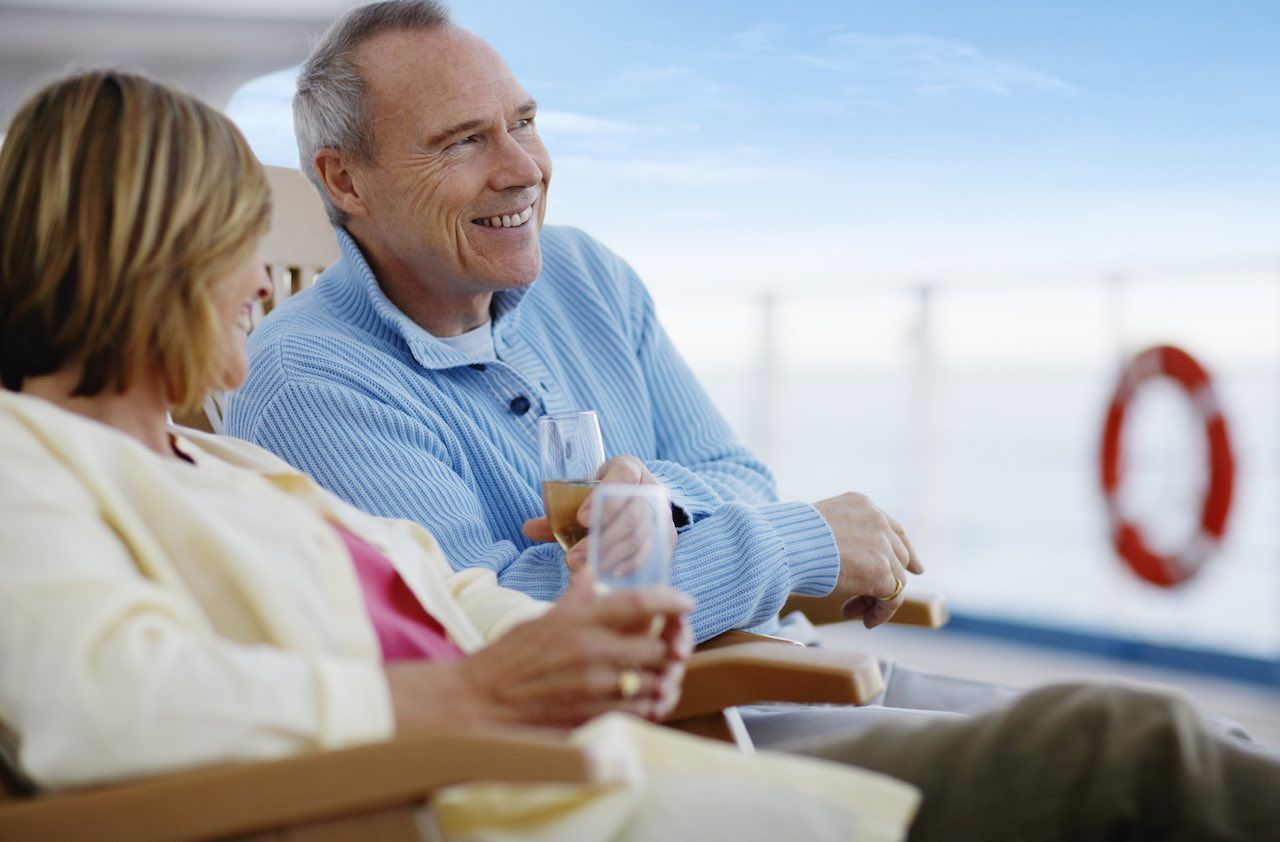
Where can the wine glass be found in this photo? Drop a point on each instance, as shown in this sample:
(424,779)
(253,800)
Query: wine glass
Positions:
(572,452)
(631,536)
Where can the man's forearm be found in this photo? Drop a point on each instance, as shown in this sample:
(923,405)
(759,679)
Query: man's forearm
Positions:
(741,562)
(737,477)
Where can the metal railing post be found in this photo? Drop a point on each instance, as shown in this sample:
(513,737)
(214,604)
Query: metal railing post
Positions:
(765,400)
(927,461)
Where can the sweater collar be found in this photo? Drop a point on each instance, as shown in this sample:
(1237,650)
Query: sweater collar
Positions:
(428,350)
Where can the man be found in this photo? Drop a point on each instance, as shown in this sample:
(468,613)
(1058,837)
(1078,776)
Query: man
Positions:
(411,380)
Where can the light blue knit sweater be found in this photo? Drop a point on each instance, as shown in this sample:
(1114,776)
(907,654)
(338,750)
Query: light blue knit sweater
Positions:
(344,386)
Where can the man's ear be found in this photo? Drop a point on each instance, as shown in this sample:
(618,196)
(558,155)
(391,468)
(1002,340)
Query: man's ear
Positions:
(339,182)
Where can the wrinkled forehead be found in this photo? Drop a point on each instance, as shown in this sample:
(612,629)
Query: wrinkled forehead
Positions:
(425,81)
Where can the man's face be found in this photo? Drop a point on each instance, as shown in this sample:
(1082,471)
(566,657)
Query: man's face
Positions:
(456,190)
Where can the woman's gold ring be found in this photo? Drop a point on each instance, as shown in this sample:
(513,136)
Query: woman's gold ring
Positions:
(628,683)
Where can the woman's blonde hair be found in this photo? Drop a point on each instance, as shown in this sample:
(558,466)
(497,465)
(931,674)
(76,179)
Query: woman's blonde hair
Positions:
(126,204)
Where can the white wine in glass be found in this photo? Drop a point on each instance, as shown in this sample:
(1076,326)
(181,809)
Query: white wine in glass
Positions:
(562,499)
(572,452)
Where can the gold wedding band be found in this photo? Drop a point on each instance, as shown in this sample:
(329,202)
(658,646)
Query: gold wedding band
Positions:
(628,683)
(895,593)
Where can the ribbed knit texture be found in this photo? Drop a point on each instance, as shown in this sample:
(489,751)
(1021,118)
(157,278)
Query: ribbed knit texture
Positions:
(347,388)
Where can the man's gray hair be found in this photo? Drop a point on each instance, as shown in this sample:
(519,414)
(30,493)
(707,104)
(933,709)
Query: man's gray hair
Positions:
(330,107)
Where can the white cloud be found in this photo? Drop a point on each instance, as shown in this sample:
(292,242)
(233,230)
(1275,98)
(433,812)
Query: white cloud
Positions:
(570,123)
(263,111)
(932,65)
(669,83)
(700,171)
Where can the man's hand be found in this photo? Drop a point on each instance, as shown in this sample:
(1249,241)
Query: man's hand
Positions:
(875,556)
(538,530)
(620,470)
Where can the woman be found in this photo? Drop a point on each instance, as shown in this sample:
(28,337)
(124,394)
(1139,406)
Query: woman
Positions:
(195,576)
(170,599)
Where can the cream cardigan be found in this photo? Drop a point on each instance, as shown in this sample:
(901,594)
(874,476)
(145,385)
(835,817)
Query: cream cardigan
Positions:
(156,614)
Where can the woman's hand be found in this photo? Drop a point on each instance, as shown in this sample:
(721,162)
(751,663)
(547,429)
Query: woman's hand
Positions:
(567,666)
(562,668)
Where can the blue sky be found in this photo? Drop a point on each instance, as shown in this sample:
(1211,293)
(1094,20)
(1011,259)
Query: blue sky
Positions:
(819,142)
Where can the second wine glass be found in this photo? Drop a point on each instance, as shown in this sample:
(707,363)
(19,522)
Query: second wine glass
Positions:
(632,537)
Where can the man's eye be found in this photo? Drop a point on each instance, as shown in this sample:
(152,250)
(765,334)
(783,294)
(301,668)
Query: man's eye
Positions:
(468,140)
(526,123)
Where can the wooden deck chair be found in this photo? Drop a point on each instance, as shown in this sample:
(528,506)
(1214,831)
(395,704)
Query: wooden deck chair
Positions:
(372,791)
(919,608)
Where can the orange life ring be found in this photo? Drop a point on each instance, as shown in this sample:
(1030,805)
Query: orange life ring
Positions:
(1182,368)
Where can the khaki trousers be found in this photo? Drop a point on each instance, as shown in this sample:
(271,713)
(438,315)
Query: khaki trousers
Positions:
(1069,762)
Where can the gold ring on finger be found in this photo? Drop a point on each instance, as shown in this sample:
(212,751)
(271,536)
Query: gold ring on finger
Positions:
(628,683)
(895,593)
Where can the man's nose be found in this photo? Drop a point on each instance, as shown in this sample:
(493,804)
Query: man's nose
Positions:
(516,165)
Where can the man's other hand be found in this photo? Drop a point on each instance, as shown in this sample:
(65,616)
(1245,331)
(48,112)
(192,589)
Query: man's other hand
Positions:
(875,555)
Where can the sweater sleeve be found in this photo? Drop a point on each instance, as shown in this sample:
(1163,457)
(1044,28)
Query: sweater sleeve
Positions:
(742,561)
(493,609)
(107,674)
(698,456)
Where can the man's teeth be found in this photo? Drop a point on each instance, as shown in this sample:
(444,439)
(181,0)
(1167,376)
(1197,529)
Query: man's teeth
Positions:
(514,220)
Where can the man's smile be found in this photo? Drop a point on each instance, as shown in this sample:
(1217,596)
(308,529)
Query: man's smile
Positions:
(507,220)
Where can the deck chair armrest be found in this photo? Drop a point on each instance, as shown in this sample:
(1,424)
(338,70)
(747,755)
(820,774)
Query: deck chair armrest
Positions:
(729,676)
(737,637)
(919,608)
(252,798)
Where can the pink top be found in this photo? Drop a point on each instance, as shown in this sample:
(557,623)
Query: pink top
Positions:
(405,630)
